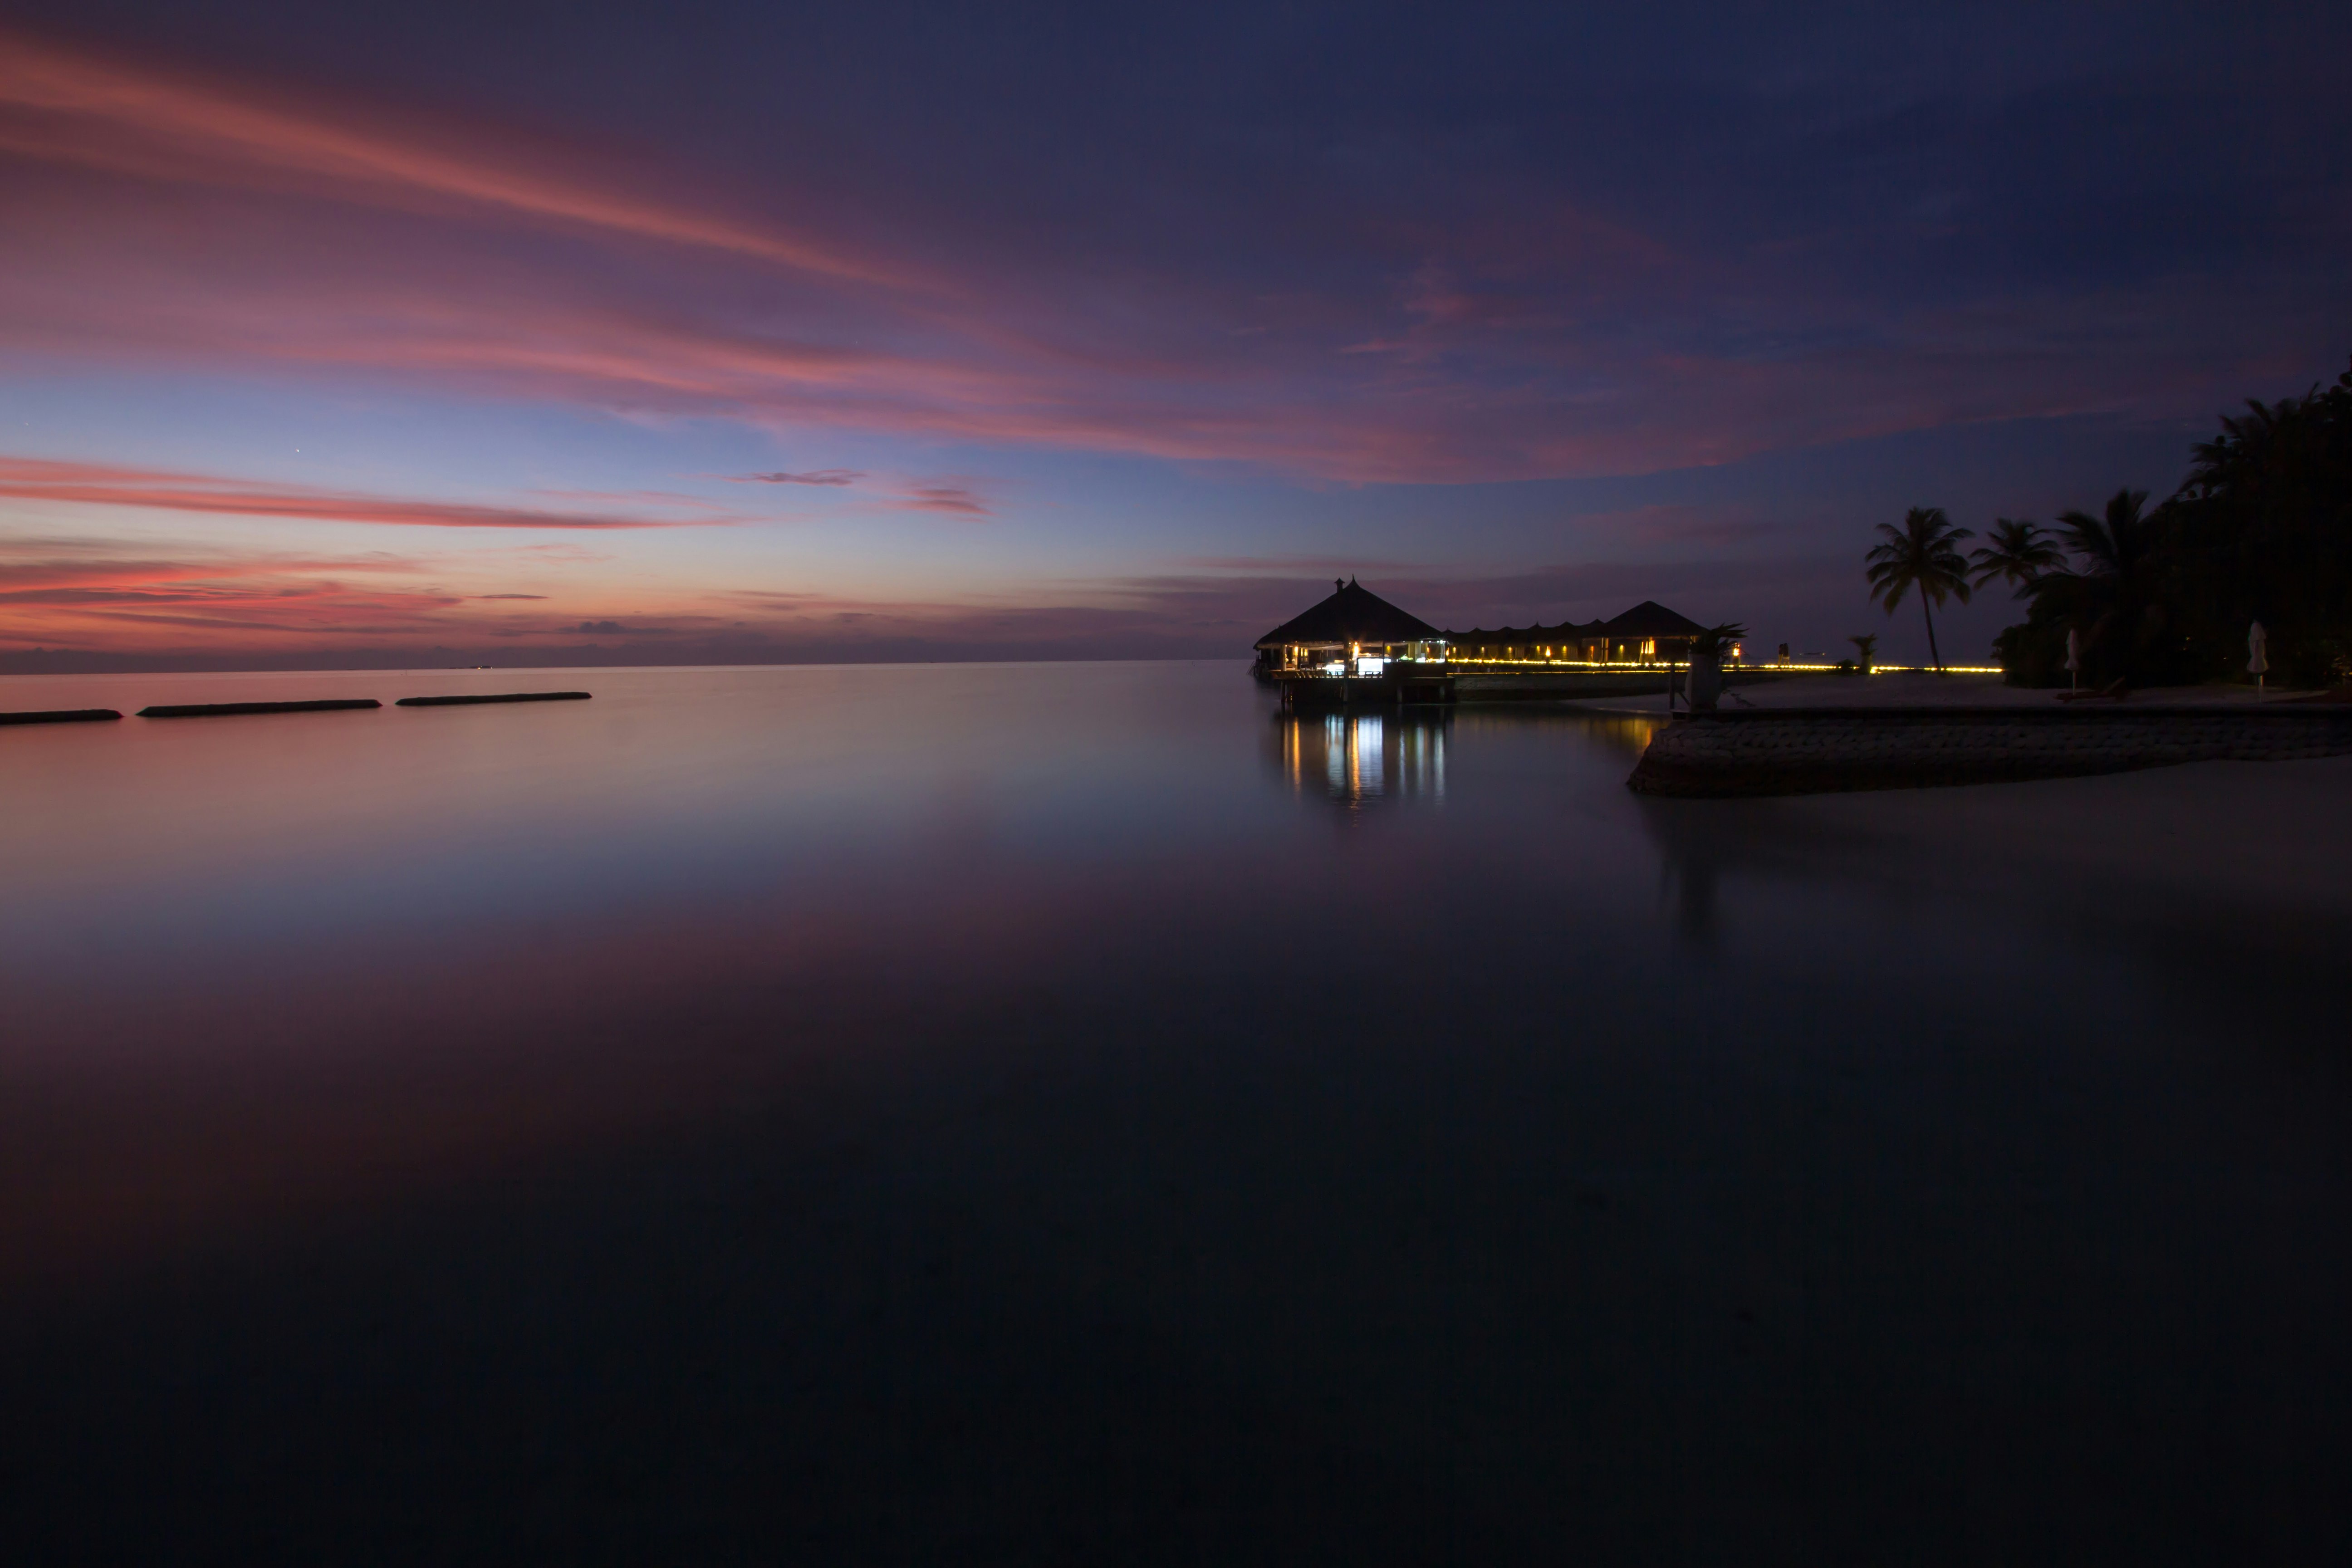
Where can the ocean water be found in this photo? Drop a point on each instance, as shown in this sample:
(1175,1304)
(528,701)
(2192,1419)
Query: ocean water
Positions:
(1073,1113)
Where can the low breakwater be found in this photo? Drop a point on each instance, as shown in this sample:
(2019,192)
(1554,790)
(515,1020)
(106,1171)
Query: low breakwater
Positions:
(61,716)
(1822,750)
(324,705)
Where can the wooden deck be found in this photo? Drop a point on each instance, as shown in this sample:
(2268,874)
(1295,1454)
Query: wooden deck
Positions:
(1415,685)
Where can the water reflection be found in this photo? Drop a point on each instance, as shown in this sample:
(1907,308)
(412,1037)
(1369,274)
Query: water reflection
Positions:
(958,1098)
(1628,735)
(1358,758)
(1693,850)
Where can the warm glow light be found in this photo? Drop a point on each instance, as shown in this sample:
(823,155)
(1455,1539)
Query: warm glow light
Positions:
(1635,666)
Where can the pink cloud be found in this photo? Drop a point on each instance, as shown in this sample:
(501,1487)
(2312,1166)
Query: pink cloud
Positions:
(78,108)
(246,609)
(957,500)
(1512,340)
(90,593)
(121,610)
(100,484)
(1501,413)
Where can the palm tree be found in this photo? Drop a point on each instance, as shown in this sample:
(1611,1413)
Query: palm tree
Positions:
(2116,547)
(2113,592)
(2019,552)
(1865,649)
(1706,654)
(1715,641)
(1923,554)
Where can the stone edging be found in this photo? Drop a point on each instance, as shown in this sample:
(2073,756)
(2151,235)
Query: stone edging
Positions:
(1815,750)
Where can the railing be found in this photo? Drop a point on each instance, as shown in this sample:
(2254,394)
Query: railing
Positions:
(1664,664)
(1408,668)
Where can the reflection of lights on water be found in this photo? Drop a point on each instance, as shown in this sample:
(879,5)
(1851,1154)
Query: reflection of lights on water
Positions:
(1425,753)
(1365,755)
(1629,735)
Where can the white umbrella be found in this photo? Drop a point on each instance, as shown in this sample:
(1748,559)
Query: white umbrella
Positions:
(2073,657)
(2258,643)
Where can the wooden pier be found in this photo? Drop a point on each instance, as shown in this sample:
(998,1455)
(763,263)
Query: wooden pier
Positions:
(1312,691)
(1417,683)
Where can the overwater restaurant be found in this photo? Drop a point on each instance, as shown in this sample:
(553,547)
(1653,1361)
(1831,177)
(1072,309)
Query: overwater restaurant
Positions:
(1355,632)
(1649,633)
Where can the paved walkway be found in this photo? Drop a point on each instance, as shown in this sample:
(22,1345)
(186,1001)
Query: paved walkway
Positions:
(1907,690)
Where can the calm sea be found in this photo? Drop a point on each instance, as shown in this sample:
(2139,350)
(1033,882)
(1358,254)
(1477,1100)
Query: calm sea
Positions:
(1072,1113)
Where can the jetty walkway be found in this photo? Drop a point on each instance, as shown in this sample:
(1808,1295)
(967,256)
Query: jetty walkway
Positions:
(1812,750)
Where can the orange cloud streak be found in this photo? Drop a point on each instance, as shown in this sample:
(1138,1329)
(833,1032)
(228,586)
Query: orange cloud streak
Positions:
(132,609)
(92,484)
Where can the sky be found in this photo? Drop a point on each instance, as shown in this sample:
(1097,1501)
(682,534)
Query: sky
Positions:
(380,336)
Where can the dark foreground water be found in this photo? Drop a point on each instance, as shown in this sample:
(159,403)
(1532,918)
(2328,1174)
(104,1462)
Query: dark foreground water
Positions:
(1069,1115)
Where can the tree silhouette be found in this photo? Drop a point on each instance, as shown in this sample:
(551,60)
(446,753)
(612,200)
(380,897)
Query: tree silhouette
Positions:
(2113,592)
(2018,551)
(1715,641)
(1865,648)
(2263,529)
(2116,545)
(1922,556)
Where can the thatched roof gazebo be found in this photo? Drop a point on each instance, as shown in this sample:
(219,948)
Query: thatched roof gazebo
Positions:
(1353,623)
(1355,632)
(1649,632)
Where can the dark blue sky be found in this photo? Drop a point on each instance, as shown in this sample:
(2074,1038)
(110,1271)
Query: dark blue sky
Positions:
(386,326)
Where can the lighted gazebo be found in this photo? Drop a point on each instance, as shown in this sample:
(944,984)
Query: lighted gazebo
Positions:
(1649,633)
(1355,629)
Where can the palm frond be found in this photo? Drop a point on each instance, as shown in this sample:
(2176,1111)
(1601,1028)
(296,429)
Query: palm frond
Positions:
(1923,556)
(2019,552)
(1713,640)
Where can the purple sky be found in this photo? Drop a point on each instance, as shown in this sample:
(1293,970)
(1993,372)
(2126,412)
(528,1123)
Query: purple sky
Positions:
(544,334)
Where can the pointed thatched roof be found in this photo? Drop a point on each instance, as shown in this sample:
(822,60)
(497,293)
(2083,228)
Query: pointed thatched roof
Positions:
(1651,619)
(1351,615)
